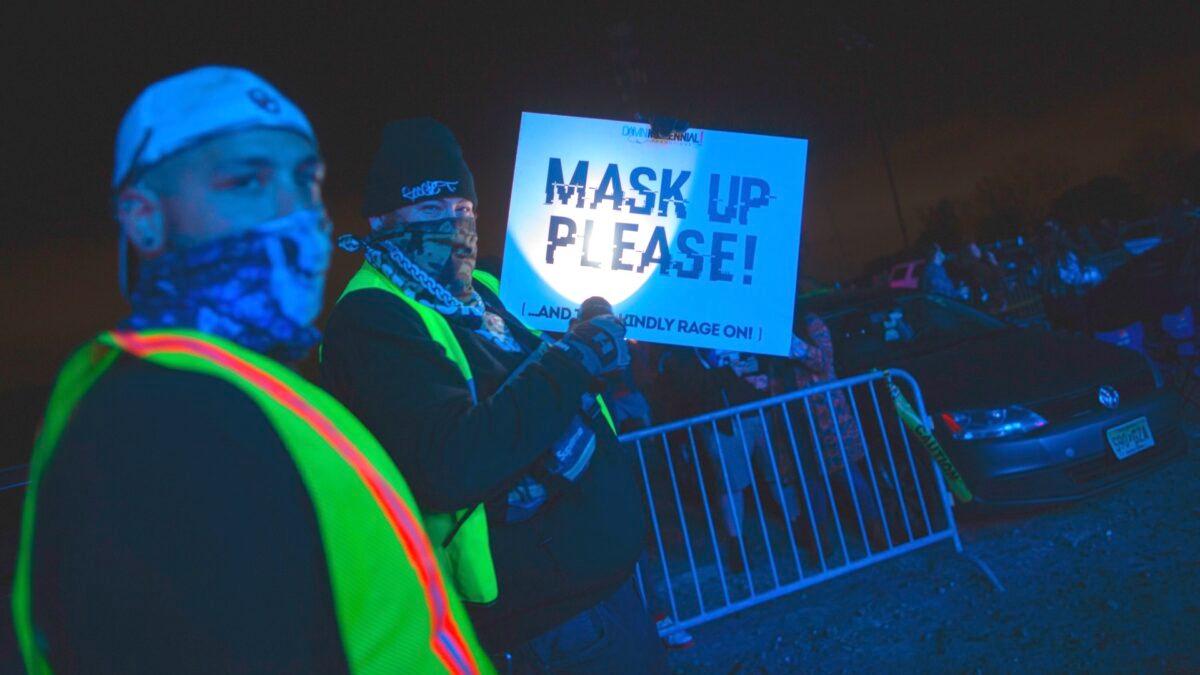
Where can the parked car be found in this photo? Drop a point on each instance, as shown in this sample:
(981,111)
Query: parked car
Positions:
(1027,415)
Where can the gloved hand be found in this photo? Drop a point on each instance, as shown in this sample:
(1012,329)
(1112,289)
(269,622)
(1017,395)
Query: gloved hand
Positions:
(598,344)
(572,452)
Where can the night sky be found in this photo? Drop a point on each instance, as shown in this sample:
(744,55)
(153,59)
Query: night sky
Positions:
(962,92)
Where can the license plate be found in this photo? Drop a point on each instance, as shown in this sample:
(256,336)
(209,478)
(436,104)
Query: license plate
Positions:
(1130,438)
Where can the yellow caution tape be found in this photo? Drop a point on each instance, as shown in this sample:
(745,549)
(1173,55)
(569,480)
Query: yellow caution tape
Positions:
(917,426)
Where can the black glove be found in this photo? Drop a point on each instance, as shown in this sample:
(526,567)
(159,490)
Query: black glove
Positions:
(598,344)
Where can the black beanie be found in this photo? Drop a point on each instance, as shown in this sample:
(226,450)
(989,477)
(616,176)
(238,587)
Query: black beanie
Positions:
(417,159)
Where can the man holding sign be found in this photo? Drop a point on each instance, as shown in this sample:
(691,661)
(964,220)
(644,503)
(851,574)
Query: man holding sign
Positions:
(509,451)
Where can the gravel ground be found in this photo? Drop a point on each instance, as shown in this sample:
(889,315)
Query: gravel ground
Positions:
(1109,584)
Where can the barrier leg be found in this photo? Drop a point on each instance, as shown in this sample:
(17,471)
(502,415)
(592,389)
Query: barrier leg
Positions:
(712,531)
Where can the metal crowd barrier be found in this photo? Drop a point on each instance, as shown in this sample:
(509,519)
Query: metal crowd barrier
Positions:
(892,501)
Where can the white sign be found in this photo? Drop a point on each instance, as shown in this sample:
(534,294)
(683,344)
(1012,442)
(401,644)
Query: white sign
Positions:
(695,239)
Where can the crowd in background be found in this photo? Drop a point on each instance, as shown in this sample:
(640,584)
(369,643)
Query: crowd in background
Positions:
(1055,262)
(1090,279)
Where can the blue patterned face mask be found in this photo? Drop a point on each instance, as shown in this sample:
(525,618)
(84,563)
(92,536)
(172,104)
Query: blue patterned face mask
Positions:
(261,288)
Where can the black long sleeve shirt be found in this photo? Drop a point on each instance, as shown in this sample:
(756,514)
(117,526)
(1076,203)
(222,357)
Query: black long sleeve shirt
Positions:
(173,534)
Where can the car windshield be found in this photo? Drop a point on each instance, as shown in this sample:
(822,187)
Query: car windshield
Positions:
(875,333)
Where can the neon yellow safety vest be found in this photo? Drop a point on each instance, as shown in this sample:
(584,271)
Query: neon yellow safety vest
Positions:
(488,280)
(467,555)
(394,612)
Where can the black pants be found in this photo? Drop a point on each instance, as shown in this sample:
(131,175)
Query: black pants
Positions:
(615,636)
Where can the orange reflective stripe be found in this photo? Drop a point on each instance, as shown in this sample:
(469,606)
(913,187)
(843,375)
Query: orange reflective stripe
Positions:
(446,638)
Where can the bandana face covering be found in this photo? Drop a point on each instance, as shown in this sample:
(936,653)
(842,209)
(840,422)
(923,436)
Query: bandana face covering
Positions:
(444,249)
(261,288)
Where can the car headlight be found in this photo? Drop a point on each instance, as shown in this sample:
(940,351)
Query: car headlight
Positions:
(971,425)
